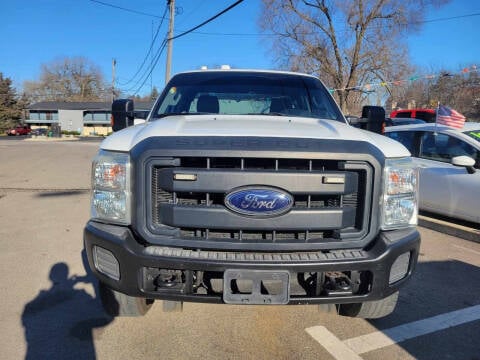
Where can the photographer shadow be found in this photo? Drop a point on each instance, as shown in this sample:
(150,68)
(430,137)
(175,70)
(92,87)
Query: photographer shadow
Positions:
(59,322)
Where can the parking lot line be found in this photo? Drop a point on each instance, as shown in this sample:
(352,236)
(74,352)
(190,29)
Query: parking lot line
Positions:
(332,344)
(380,339)
(465,248)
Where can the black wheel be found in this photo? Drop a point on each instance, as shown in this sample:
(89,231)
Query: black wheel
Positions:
(370,309)
(118,304)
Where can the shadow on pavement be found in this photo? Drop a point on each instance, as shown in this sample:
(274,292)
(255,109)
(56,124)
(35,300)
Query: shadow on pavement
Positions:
(63,193)
(454,221)
(437,288)
(59,322)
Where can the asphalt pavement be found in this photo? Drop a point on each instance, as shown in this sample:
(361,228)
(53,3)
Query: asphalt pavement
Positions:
(51,308)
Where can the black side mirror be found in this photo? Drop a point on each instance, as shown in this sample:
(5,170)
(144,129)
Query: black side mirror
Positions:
(122,114)
(375,116)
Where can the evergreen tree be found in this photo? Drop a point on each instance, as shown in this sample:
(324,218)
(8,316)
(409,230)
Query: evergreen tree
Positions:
(10,111)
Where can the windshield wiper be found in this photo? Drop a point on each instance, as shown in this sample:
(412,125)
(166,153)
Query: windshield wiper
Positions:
(160,116)
(268,114)
(275,114)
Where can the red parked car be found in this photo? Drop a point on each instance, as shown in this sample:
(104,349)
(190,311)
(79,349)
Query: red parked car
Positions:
(427,115)
(19,130)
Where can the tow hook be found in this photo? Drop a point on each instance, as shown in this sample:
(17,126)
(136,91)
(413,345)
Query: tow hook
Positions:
(337,284)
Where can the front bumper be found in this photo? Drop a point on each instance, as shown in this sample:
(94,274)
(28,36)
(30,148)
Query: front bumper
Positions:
(136,260)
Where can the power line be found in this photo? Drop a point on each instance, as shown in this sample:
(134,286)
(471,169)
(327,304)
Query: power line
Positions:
(192,11)
(342,30)
(446,18)
(147,72)
(126,9)
(149,50)
(153,67)
(159,52)
(400,82)
(206,21)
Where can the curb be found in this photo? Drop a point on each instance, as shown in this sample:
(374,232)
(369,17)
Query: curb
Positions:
(450,228)
(47,139)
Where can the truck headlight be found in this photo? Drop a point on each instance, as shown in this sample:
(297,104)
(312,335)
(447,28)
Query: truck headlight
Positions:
(400,194)
(111,187)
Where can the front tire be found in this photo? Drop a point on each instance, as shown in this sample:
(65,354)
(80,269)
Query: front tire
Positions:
(370,309)
(118,304)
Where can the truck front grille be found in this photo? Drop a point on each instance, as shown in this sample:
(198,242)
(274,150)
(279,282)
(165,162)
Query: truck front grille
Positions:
(194,209)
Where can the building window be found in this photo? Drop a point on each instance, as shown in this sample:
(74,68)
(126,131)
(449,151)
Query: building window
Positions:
(100,117)
(96,116)
(43,115)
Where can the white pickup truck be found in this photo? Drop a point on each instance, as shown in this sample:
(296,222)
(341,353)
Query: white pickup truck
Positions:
(250,187)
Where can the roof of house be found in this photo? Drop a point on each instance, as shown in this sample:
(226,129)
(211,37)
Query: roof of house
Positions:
(84,105)
(71,105)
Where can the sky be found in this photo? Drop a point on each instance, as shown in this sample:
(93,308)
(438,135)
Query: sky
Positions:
(36,32)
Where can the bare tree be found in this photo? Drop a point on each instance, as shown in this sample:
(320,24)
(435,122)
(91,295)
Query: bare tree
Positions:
(460,91)
(68,79)
(345,43)
(414,93)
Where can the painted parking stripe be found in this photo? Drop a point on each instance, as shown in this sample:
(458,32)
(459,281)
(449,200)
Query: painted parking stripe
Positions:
(380,339)
(332,344)
(467,249)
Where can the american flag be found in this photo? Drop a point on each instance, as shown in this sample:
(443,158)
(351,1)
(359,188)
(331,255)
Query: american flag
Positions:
(450,117)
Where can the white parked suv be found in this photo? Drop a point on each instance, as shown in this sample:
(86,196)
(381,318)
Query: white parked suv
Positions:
(449,164)
(249,187)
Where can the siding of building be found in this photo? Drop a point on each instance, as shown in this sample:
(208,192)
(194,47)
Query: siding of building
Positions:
(87,118)
(71,120)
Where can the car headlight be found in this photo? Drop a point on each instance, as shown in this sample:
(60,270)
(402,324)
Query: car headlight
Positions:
(400,194)
(111,194)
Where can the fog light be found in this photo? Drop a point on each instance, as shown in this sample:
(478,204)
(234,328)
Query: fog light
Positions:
(106,263)
(399,268)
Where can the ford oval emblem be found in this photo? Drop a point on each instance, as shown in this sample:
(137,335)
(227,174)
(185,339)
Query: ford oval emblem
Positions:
(259,201)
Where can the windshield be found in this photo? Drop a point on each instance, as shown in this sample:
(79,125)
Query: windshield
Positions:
(246,93)
(474,134)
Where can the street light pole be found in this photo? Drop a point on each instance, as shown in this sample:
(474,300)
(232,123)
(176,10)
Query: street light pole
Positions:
(171,4)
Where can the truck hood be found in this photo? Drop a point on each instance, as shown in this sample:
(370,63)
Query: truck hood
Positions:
(248,125)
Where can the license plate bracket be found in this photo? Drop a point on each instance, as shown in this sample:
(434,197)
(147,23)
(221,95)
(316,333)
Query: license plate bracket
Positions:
(256,287)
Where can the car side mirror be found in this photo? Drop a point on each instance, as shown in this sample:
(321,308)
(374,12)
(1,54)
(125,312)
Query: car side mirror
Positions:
(375,116)
(464,161)
(122,114)
(373,119)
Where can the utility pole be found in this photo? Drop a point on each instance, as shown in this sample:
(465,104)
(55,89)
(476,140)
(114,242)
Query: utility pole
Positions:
(114,63)
(171,4)
(151,64)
